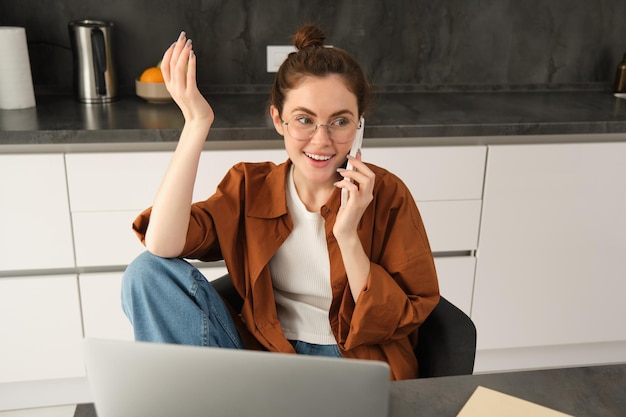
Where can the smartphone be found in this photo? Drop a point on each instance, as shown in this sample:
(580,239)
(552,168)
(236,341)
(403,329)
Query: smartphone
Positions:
(356,145)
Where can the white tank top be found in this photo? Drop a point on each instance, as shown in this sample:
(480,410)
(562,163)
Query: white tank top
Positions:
(301,275)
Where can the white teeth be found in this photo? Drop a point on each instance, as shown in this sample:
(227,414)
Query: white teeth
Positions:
(318,157)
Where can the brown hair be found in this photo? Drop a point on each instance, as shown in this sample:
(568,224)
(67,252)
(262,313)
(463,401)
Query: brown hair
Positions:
(312,58)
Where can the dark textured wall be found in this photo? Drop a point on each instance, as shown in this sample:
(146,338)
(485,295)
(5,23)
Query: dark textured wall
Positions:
(426,45)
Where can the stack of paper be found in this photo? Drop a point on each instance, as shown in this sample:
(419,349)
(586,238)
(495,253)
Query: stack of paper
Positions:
(485,402)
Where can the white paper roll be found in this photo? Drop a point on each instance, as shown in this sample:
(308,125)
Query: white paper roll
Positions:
(16,81)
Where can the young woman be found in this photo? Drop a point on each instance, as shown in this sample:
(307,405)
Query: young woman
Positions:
(316,277)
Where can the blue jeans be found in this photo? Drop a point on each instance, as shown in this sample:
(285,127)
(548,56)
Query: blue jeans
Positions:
(168,300)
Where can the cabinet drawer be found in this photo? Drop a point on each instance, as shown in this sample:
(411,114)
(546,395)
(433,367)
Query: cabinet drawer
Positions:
(105,238)
(435,173)
(101,304)
(451,225)
(114,181)
(35,230)
(129,181)
(456,280)
(41,328)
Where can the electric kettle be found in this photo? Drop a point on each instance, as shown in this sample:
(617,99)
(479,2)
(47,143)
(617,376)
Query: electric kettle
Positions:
(94,73)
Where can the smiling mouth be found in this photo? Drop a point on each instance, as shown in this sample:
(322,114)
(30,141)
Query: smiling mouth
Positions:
(318,157)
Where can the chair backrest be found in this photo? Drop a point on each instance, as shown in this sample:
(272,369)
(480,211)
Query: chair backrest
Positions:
(447,342)
(447,339)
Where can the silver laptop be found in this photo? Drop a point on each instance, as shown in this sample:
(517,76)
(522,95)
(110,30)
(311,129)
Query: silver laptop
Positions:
(133,379)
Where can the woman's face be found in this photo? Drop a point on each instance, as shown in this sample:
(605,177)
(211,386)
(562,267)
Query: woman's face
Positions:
(317,100)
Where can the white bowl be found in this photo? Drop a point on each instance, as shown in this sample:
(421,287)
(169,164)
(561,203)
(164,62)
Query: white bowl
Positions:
(152,92)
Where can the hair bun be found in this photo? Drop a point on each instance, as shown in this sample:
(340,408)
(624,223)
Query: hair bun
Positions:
(308,36)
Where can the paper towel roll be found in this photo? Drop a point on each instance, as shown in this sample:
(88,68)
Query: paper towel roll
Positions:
(16,81)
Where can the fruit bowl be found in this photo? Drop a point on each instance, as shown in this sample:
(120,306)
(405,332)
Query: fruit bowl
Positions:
(152,92)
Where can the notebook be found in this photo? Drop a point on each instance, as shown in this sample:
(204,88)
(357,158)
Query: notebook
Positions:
(137,379)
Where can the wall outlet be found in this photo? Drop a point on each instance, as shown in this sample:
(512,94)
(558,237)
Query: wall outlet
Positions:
(276,54)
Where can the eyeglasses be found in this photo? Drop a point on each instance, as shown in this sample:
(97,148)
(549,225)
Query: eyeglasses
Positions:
(302,128)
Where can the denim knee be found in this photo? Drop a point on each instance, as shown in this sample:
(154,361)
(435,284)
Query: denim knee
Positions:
(169,300)
(148,276)
(137,277)
(134,275)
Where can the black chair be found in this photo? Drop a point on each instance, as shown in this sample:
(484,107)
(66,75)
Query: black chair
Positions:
(447,339)
(447,342)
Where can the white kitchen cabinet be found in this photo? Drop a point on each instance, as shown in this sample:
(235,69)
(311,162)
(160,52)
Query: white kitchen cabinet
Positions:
(551,265)
(101,304)
(447,184)
(40,328)
(35,231)
(439,173)
(452,226)
(114,181)
(105,238)
(456,280)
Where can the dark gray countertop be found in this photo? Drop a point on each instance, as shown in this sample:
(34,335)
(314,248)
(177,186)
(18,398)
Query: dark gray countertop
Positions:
(598,391)
(60,120)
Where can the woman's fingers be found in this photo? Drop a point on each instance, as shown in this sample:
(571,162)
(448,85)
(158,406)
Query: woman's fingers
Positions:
(361,186)
(191,70)
(165,63)
(361,174)
(183,59)
(174,64)
(178,66)
(178,47)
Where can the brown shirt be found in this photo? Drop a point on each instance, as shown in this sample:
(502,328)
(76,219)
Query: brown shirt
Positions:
(245,222)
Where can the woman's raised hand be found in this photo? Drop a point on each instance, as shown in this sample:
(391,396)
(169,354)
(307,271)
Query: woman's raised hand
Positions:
(167,231)
(179,71)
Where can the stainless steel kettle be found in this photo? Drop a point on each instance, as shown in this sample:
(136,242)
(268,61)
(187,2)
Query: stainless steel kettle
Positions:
(94,72)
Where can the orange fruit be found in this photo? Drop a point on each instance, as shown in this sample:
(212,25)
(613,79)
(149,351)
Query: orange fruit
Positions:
(152,75)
